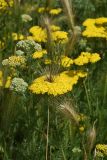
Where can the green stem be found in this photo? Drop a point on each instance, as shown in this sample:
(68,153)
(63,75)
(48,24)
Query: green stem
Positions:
(64,157)
(87,96)
(105,90)
(47,142)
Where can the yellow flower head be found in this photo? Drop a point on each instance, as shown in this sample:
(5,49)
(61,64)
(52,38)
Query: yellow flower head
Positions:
(60,84)
(81,129)
(39,54)
(89,22)
(101,148)
(86,57)
(39,34)
(101,20)
(5,82)
(4,4)
(55,11)
(17,36)
(82,117)
(95,57)
(60,36)
(1,45)
(82,59)
(48,61)
(66,61)
(14,61)
(8,82)
(41,9)
(55,28)
(94,28)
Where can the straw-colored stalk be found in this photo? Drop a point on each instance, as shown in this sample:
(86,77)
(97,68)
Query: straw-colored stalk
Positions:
(69,112)
(68,7)
(49,46)
(91,137)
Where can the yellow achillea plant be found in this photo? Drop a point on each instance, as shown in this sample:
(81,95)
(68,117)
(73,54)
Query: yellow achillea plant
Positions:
(59,85)
(53,11)
(14,61)
(16,36)
(5,83)
(81,117)
(86,57)
(6,3)
(39,34)
(95,28)
(60,36)
(82,59)
(2,45)
(55,28)
(39,54)
(41,9)
(64,61)
(101,150)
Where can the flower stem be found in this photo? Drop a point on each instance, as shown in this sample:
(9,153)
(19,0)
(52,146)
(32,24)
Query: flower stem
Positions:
(87,96)
(47,136)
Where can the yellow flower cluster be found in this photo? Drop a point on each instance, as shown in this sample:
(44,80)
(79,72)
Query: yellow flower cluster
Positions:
(60,84)
(54,11)
(39,54)
(16,36)
(81,128)
(39,34)
(4,4)
(60,36)
(81,117)
(48,61)
(1,45)
(41,9)
(94,58)
(14,61)
(4,82)
(55,28)
(95,28)
(101,150)
(64,61)
(86,57)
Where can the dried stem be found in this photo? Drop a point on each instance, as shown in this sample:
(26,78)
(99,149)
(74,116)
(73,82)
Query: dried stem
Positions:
(68,7)
(49,45)
(69,112)
(71,43)
(69,12)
